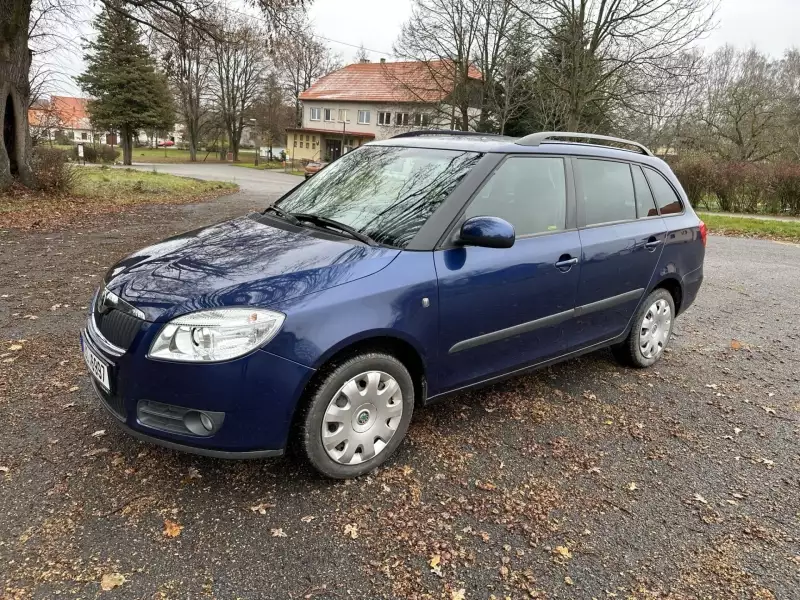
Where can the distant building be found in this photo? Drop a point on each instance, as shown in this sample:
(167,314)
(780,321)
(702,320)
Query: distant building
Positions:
(62,118)
(372,101)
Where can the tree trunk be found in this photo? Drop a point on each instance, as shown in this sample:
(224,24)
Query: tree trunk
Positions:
(126,139)
(15,63)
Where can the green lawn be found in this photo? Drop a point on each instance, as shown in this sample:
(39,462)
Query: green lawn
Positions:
(174,155)
(272,166)
(132,185)
(747,227)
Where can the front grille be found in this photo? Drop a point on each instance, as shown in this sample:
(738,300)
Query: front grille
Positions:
(118,327)
(113,402)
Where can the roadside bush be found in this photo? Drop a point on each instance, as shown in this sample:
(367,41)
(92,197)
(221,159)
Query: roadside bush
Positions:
(785,197)
(740,186)
(92,154)
(696,176)
(52,171)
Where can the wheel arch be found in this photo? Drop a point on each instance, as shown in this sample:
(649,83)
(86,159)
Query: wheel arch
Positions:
(674,287)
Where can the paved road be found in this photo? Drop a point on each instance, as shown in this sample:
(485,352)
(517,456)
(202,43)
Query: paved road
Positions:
(266,184)
(583,480)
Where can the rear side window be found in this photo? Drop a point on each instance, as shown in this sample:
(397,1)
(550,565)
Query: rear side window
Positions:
(668,201)
(528,192)
(645,204)
(607,191)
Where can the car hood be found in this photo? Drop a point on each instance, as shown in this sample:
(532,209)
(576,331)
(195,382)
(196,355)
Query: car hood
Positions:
(251,261)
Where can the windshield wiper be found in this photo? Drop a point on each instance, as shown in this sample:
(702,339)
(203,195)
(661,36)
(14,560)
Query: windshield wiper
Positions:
(326,222)
(283,214)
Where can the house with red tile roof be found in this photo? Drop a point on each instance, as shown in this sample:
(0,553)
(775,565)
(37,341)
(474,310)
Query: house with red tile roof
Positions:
(373,101)
(65,114)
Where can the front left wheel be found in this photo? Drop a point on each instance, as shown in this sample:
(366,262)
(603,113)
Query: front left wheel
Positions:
(357,416)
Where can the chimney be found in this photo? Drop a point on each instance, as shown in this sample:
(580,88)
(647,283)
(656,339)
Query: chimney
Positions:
(383,61)
(364,61)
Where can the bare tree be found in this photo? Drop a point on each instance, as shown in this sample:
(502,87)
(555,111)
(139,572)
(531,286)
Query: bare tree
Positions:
(361,55)
(743,109)
(301,60)
(790,92)
(187,62)
(610,48)
(271,112)
(240,64)
(443,36)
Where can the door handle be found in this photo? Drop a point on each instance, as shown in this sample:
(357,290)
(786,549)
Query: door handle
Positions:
(652,244)
(565,264)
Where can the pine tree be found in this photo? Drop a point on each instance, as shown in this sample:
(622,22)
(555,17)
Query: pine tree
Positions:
(128,93)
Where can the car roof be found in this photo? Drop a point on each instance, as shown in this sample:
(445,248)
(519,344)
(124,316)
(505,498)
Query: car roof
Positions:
(501,144)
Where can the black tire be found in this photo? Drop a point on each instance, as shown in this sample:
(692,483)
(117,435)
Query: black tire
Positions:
(310,422)
(629,352)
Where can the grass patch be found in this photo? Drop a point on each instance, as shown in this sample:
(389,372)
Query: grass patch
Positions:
(103,190)
(771,229)
(175,155)
(272,166)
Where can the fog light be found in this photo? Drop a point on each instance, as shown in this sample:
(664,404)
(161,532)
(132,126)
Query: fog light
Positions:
(206,422)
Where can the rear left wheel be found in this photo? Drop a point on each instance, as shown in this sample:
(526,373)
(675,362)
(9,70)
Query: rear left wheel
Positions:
(357,416)
(650,333)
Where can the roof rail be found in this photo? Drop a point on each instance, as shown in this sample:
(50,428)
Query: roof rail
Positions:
(544,137)
(420,132)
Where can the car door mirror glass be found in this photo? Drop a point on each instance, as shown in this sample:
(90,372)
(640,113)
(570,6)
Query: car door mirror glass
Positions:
(487,232)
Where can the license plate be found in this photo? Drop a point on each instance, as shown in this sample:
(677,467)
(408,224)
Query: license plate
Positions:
(97,367)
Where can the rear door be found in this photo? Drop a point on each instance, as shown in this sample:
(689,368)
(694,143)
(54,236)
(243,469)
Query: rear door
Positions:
(502,309)
(622,237)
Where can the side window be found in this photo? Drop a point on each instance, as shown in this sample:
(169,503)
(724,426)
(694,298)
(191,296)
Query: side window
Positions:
(607,191)
(528,192)
(645,204)
(668,201)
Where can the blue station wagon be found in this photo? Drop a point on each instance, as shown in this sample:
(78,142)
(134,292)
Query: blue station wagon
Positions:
(405,271)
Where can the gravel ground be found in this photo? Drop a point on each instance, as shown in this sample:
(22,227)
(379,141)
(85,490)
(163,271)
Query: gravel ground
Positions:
(584,480)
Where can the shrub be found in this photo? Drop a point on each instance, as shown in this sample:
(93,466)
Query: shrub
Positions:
(93,154)
(52,171)
(696,176)
(785,197)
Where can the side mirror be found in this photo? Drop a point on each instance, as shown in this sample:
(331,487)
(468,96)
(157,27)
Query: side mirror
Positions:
(487,232)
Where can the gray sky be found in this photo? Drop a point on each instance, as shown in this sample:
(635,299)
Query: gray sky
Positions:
(770,25)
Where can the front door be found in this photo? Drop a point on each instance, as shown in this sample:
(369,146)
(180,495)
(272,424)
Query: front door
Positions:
(333,149)
(503,309)
(622,237)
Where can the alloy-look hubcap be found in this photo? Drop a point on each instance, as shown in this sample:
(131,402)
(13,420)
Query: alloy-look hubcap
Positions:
(362,417)
(655,329)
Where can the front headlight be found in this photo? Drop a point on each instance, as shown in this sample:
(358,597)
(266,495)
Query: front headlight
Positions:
(215,335)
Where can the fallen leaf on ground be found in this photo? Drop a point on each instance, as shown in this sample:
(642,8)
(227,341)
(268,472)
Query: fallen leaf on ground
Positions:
(737,431)
(172,529)
(563,551)
(351,529)
(435,560)
(279,532)
(99,433)
(407,470)
(15,347)
(74,388)
(307,518)
(4,469)
(713,386)
(568,580)
(768,410)
(458,594)
(699,498)
(485,485)
(736,345)
(632,487)
(261,508)
(110,581)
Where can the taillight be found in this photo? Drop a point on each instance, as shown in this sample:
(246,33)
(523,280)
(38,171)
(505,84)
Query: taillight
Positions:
(703,232)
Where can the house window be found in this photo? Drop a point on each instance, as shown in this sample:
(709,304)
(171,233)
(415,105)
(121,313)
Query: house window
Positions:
(295,142)
(307,145)
(401,119)
(384,118)
(316,114)
(329,114)
(343,116)
(84,136)
(421,120)
(363,117)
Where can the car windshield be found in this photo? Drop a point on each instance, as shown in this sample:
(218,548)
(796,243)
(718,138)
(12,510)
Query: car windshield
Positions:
(385,192)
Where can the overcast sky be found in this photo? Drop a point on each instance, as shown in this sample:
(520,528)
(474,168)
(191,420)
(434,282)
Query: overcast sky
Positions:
(770,25)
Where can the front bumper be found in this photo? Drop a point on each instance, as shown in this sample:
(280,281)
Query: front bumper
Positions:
(257,393)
